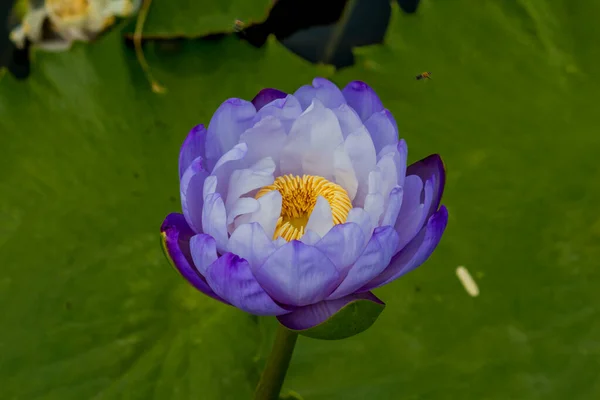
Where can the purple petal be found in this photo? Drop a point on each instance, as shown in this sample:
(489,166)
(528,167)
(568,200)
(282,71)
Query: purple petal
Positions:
(250,242)
(176,236)
(382,131)
(285,110)
(362,99)
(314,314)
(204,251)
(230,277)
(343,244)
(230,120)
(297,274)
(190,190)
(403,151)
(415,253)
(371,263)
(390,215)
(266,96)
(192,148)
(214,220)
(322,89)
(431,166)
(411,217)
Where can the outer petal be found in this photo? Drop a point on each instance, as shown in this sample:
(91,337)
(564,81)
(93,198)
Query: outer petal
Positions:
(403,152)
(314,314)
(415,253)
(410,217)
(230,277)
(250,242)
(362,99)
(192,148)
(371,262)
(382,131)
(265,139)
(285,110)
(230,120)
(323,90)
(190,190)
(343,244)
(431,166)
(266,96)
(390,216)
(176,236)
(204,251)
(297,275)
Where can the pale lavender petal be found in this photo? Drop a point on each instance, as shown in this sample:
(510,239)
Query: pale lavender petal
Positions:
(314,314)
(268,213)
(214,220)
(233,160)
(244,205)
(265,139)
(403,152)
(310,238)
(411,213)
(284,110)
(343,171)
(297,275)
(362,99)
(243,181)
(349,120)
(190,190)
(360,150)
(250,242)
(321,219)
(374,259)
(230,120)
(431,166)
(374,202)
(266,96)
(192,148)
(176,236)
(323,90)
(415,253)
(210,186)
(360,217)
(390,215)
(382,131)
(343,244)
(204,251)
(280,242)
(231,278)
(389,174)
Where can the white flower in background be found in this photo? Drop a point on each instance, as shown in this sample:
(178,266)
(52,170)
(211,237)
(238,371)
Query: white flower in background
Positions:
(55,24)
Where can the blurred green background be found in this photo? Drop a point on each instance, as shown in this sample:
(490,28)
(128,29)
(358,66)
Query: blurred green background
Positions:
(92,310)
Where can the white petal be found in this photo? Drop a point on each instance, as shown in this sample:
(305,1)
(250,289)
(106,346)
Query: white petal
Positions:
(279,242)
(268,213)
(390,216)
(321,219)
(374,200)
(244,205)
(362,219)
(311,143)
(344,172)
(349,120)
(246,180)
(285,110)
(250,242)
(214,220)
(265,139)
(361,151)
(210,186)
(389,175)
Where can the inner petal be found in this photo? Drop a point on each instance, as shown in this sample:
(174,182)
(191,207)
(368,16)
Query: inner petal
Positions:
(299,196)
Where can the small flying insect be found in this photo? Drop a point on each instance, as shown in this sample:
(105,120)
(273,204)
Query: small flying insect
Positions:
(424,75)
(239,26)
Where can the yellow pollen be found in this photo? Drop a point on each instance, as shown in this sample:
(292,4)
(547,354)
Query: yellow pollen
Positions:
(68,8)
(299,196)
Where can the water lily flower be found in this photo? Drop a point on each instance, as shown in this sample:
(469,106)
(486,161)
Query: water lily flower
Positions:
(296,205)
(54,25)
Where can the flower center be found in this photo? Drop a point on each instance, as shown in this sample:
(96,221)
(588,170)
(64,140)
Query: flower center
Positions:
(68,8)
(298,198)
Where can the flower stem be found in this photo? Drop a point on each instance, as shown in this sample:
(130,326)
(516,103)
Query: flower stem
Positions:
(273,376)
(338,31)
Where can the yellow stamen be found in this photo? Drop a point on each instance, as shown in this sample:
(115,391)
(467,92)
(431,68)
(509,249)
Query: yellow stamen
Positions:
(68,8)
(299,196)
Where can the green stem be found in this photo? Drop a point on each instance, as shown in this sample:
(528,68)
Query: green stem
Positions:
(336,35)
(273,376)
